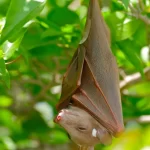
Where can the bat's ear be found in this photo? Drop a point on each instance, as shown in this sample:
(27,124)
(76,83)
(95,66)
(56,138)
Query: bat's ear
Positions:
(104,137)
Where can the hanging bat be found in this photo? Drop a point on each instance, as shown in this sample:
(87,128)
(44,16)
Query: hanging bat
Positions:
(91,85)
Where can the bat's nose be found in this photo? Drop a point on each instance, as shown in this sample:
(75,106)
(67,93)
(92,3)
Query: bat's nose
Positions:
(59,116)
(57,119)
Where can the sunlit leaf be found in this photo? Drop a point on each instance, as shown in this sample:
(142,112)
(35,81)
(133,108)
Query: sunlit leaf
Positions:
(46,111)
(117,5)
(6,118)
(10,48)
(10,144)
(5,101)
(4,75)
(126,2)
(129,50)
(18,16)
(126,30)
(141,89)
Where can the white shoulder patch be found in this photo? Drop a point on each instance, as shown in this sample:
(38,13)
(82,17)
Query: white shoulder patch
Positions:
(94,131)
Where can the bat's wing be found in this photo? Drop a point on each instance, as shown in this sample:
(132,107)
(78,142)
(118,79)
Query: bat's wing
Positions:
(92,97)
(72,78)
(96,88)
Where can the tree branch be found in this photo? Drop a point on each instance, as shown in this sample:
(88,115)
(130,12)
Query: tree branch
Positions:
(141,119)
(134,78)
(137,14)
(8,63)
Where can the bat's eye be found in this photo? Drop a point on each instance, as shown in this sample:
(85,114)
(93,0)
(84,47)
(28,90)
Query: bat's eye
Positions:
(81,129)
(68,136)
(71,102)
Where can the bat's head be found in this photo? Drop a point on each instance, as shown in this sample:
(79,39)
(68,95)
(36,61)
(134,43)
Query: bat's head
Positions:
(82,127)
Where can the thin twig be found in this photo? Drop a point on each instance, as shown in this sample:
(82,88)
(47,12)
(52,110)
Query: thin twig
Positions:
(40,65)
(145,19)
(8,63)
(32,81)
(43,91)
(86,148)
(141,4)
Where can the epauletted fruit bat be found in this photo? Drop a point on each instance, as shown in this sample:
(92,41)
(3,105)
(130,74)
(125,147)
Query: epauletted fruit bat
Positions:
(91,84)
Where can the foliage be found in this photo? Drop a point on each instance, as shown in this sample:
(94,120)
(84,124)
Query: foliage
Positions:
(37,40)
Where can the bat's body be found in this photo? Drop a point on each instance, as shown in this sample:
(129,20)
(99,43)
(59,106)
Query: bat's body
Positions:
(91,81)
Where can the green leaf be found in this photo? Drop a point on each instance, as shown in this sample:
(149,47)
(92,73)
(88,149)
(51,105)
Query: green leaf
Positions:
(48,50)
(9,143)
(4,75)
(6,118)
(52,32)
(45,111)
(126,30)
(30,124)
(117,6)
(61,13)
(18,16)
(5,101)
(4,4)
(140,35)
(10,48)
(58,137)
(126,2)
(32,37)
(141,89)
(129,49)
(121,27)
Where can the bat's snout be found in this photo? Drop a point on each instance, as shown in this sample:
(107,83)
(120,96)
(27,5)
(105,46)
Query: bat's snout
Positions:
(58,118)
